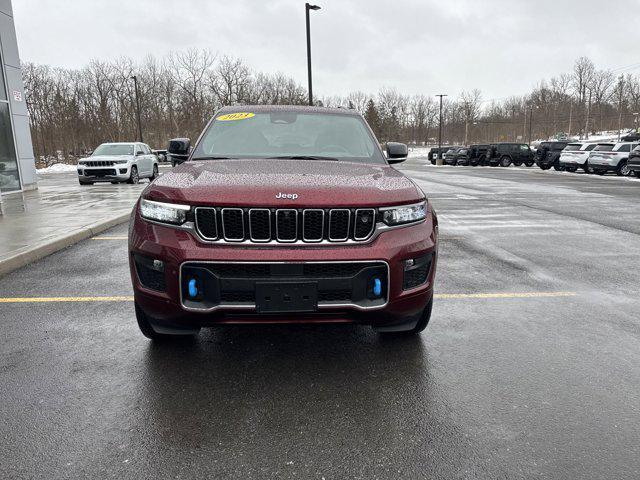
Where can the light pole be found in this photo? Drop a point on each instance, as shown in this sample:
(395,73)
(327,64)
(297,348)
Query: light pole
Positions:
(135,83)
(308,7)
(530,124)
(439,159)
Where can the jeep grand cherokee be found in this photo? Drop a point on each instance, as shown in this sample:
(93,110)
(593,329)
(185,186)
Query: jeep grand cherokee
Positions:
(283,214)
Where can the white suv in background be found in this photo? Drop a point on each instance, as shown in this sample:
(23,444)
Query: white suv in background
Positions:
(611,157)
(575,156)
(118,162)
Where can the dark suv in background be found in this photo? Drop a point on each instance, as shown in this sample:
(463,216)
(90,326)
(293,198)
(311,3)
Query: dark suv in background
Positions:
(548,155)
(477,154)
(504,154)
(634,161)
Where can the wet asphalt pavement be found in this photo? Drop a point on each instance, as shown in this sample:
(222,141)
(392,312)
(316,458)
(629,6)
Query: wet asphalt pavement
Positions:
(505,386)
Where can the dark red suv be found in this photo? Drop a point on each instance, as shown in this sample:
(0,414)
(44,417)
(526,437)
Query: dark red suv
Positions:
(283,215)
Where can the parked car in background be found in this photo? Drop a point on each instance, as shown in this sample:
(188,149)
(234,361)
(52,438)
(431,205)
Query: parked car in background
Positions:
(462,156)
(631,137)
(477,154)
(451,156)
(575,156)
(435,151)
(161,154)
(504,154)
(610,157)
(118,162)
(548,155)
(634,161)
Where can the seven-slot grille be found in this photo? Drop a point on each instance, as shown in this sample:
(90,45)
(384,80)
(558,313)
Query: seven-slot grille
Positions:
(99,163)
(285,225)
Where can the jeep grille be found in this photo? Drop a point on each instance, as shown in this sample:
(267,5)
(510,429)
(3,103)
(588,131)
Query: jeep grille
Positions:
(285,225)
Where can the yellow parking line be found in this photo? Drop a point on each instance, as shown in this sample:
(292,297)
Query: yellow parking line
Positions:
(504,295)
(443,296)
(110,238)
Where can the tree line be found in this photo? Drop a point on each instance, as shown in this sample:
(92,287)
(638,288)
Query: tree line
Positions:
(73,110)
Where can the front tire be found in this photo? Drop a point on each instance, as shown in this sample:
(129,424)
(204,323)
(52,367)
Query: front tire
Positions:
(557,167)
(134,178)
(505,161)
(154,175)
(529,163)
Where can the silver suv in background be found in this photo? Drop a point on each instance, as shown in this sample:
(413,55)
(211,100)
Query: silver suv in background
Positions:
(118,162)
(610,157)
(575,155)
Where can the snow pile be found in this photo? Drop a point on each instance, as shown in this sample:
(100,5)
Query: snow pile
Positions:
(58,168)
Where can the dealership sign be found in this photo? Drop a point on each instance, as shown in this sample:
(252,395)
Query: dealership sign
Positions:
(17,96)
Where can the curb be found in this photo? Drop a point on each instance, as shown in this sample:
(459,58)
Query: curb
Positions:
(27,255)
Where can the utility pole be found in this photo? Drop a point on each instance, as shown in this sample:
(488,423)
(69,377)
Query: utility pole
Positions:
(530,122)
(620,84)
(135,83)
(586,123)
(439,159)
(570,115)
(308,7)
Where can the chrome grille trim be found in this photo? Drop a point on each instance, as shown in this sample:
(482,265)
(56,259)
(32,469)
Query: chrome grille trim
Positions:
(372,211)
(304,237)
(251,237)
(224,233)
(331,212)
(278,212)
(215,221)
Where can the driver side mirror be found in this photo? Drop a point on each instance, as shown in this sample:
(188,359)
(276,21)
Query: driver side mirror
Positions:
(179,146)
(396,152)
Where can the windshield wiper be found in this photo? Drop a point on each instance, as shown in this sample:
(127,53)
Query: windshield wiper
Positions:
(211,157)
(306,157)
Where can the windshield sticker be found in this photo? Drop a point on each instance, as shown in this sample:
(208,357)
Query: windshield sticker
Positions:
(235,116)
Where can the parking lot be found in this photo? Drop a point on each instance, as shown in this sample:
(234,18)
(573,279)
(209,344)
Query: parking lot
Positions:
(529,368)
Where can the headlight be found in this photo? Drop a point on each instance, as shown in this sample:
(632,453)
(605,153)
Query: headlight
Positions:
(164,212)
(120,161)
(404,214)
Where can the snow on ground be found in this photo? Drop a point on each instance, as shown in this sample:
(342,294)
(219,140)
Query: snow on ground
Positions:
(57,168)
(419,152)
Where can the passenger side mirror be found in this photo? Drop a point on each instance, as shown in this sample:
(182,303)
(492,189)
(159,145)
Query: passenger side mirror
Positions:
(396,152)
(179,146)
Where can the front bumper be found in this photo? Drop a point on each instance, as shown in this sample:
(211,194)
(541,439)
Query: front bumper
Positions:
(178,250)
(104,174)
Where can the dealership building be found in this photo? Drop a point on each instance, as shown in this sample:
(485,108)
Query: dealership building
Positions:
(17,166)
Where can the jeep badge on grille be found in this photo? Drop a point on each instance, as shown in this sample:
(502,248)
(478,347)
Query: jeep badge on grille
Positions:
(290,196)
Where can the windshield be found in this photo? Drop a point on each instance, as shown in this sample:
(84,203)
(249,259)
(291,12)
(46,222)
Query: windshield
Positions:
(605,147)
(289,134)
(572,147)
(113,149)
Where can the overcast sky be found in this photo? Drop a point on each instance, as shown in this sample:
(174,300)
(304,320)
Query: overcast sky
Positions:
(502,47)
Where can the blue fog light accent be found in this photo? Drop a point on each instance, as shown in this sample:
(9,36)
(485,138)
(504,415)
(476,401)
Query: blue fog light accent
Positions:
(377,287)
(193,289)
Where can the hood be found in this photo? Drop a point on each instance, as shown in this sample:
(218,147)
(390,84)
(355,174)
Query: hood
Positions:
(102,158)
(297,183)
